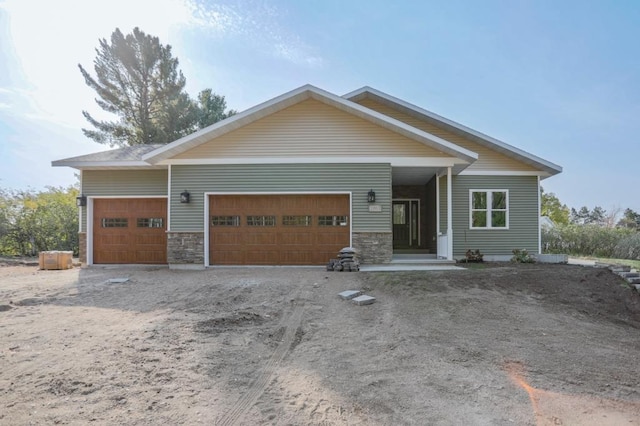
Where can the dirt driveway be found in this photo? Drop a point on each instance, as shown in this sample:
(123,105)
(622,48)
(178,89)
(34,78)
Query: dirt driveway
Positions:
(493,345)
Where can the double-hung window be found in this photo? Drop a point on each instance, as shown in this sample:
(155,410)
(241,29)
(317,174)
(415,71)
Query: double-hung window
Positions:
(489,209)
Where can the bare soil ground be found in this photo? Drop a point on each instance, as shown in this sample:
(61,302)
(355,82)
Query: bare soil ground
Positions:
(491,345)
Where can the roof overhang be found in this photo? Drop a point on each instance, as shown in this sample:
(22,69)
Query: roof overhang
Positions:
(106,165)
(547,168)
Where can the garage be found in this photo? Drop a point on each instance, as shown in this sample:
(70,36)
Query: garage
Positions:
(283,229)
(130,231)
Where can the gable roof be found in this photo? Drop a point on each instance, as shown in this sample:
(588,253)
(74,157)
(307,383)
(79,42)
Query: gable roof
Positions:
(452,126)
(294,97)
(156,156)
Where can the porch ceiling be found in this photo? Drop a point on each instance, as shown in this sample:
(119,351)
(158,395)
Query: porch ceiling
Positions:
(412,175)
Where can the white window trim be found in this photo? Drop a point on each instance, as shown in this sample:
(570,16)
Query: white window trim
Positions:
(489,202)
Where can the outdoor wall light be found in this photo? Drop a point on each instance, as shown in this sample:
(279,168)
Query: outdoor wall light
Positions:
(81,201)
(371,196)
(185,196)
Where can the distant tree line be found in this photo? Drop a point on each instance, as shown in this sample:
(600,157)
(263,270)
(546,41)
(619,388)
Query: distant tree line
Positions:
(34,221)
(138,82)
(590,232)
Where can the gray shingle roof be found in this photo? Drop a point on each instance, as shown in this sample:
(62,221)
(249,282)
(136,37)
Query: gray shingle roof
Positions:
(127,156)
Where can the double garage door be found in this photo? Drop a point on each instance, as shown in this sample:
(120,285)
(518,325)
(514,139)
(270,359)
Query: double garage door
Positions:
(277,229)
(130,231)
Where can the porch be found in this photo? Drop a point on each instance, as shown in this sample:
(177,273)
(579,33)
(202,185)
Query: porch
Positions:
(421,215)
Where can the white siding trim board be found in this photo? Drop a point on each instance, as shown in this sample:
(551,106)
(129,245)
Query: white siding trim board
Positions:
(503,173)
(393,161)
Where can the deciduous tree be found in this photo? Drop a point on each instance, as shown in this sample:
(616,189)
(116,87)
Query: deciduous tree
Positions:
(553,208)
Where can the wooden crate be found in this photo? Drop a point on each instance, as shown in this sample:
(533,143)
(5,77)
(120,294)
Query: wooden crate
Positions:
(56,260)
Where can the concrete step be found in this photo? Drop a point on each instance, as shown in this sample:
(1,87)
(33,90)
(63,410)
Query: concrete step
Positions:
(629,274)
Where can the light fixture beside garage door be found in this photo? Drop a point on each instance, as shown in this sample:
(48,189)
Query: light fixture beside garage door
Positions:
(371,196)
(185,196)
(81,201)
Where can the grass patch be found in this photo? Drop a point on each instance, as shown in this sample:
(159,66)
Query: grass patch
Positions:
(629,262)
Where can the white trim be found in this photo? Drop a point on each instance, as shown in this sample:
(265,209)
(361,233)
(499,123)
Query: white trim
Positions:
(438,205)
(207,195)
(449,216)
(169,200)
(394,161)
(488,210)
(110,164)
(502,173)
(90,217)
(81,208)
(89,231)
(538,219)
(206,228)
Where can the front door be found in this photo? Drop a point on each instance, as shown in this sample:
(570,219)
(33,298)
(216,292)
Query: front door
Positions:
(406,224)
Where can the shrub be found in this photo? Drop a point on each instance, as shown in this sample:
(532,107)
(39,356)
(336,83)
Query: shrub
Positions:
(473,256)
(583,240)
(628,247)
(522,256)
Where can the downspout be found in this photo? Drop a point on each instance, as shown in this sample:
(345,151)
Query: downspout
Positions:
(437,204)
(539,211)
(169,201)
(449,217)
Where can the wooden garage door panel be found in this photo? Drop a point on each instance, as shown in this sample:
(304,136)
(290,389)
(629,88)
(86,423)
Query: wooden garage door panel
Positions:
(142,240)
(296,241)
(296,238)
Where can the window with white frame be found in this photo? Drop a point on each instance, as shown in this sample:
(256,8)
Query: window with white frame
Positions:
(489,209)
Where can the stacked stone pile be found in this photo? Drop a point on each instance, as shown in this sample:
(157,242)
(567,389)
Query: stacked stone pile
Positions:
(347,261)
(629,275)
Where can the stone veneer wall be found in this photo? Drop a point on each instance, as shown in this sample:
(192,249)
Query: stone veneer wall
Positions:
(82,247)
(373,247)
(185,248)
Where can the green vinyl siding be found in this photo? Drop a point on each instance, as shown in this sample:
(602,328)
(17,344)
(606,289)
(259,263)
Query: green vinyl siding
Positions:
(522,232)
(295,178)
(126,183)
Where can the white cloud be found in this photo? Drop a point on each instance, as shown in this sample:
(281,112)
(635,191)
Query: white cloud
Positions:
(49,43)
(256,22)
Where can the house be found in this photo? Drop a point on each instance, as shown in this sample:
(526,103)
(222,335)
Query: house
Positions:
(293,180)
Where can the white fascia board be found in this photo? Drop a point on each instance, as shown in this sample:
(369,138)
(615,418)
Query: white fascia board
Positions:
(504,173)
(486,140)
(393,161)
(101,164)
(291,98)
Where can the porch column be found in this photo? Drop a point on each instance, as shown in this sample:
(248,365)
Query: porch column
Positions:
(449,217)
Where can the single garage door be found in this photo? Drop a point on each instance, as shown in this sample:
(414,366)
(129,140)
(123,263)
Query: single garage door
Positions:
(130,230)
(277,229)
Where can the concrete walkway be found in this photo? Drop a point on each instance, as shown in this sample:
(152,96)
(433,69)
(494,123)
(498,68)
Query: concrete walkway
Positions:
(581,262)
(397,267)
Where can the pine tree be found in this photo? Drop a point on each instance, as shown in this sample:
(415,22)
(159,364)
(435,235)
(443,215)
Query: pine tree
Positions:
(138,80)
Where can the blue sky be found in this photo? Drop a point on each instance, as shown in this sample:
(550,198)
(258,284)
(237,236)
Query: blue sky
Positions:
(559,79)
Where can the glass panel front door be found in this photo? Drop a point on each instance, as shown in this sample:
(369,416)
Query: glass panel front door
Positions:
(406,223)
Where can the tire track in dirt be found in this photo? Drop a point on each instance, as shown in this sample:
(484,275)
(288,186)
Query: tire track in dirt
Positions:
(259,385)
